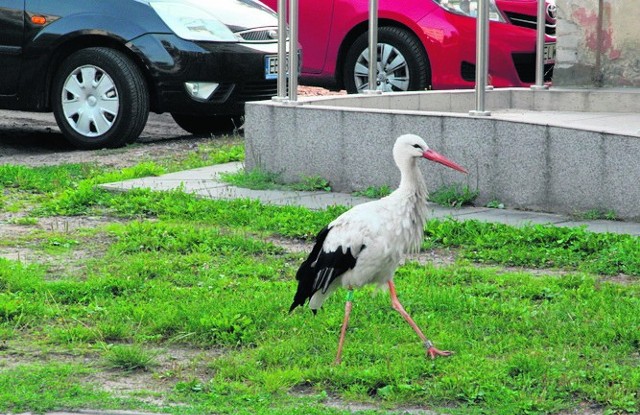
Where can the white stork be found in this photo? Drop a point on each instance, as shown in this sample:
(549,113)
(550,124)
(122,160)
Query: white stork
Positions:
(365,244)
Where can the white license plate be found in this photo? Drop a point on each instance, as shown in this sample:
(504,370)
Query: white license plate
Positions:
(549,54)
(271,67)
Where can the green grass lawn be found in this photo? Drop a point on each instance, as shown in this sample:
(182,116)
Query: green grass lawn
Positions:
(184,301)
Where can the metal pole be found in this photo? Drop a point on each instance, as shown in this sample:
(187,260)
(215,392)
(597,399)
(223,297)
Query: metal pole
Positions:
(540,47)
(482,48)
(282,51)
(373,47)
(293,50)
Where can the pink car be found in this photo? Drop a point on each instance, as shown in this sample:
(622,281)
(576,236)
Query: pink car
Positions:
(422,44)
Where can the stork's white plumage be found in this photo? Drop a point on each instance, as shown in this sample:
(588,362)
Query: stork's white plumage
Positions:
(365,244)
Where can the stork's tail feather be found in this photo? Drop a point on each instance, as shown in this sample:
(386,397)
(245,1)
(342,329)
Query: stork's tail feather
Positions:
(306,273)
(305,277)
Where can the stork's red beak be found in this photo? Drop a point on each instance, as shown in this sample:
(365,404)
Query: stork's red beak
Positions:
(439,158)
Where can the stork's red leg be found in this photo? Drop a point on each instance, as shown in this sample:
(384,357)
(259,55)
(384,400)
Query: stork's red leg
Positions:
(395,303)
(345,323)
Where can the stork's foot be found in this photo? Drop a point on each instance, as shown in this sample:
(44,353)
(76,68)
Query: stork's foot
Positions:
(432,352)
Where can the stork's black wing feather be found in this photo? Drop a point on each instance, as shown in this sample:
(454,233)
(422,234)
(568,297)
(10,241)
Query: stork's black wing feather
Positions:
(320,269)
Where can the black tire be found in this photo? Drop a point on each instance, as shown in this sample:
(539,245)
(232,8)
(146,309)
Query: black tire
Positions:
(213,124)
(116,100)
(417,69)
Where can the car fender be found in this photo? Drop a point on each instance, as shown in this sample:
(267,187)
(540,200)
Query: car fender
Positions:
(57,40)
(82,24)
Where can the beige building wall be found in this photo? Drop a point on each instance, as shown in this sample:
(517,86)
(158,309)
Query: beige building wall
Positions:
(598,43)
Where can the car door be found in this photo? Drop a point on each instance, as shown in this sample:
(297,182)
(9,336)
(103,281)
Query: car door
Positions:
(11,35)
(315,20)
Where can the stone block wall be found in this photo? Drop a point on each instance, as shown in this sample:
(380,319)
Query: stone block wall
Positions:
(541,162)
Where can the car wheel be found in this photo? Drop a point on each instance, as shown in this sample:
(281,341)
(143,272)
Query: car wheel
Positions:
(403,64)
(214,124)
(100,99)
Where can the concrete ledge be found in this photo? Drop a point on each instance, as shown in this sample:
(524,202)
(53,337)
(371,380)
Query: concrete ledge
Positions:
(623,100)
(532,153)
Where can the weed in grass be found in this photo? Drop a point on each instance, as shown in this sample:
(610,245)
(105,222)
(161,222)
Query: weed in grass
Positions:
(24,221)
(495,204)
(255,179)
(312,183)
(596,214)
(16,201)
(454,195)
(539,246)
(57,242)
(46,387)
(374,192)
(212,153)
(44,179)
(129,357)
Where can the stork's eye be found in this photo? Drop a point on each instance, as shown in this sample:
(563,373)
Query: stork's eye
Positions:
(417,146)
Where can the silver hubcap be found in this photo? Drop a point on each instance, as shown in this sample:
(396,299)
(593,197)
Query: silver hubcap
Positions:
(392,70)
(90,101)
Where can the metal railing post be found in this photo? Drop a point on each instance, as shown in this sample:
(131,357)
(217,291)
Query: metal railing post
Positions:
(540,47)
(293,50)
(373,47)
(482,54)
(282,51)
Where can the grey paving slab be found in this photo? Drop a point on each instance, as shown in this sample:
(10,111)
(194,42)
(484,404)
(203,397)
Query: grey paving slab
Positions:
(325,200)
(203,182)
(203,173)
(191,181)
(603,226)
(619,123)
(311,200)
(161,184)
(232,192)
(441,212)
(511,217)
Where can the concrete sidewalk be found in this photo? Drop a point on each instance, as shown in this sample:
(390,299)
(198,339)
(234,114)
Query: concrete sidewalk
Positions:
(205,182)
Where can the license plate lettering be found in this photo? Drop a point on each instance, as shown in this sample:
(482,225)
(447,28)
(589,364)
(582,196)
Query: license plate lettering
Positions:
(271,67)
(549,55)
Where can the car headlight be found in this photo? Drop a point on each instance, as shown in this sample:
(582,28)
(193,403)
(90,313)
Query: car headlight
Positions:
(193,23)
(470,8)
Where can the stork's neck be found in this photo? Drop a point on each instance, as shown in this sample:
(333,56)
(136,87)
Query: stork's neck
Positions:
(410,205)
(411,181)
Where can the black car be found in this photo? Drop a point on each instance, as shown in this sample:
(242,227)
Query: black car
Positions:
(101,65)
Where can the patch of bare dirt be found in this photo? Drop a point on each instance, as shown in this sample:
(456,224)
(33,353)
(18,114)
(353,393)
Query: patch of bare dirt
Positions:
(171,365)
(584,409)
(23,243)
(118,158)
(33,139)
(56,224)
(335,402)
